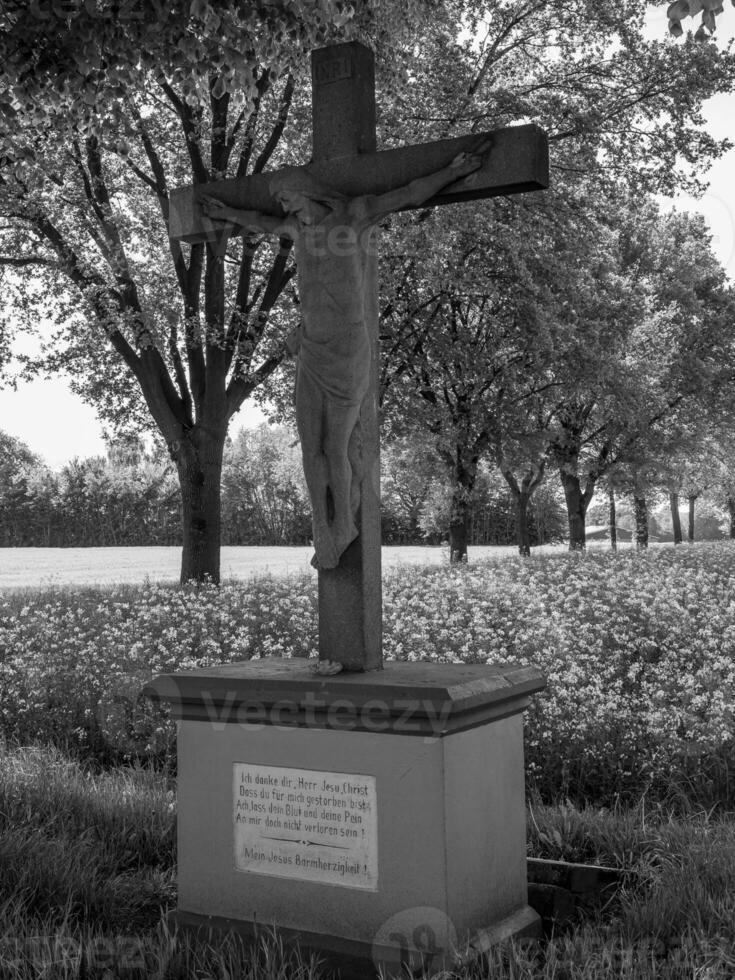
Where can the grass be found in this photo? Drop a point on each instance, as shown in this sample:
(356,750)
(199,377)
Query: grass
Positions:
(87,875)
(58,567)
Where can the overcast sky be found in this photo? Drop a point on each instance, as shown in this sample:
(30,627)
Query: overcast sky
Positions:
(59,426)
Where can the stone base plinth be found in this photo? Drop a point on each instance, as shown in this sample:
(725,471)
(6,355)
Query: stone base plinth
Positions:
(379,815)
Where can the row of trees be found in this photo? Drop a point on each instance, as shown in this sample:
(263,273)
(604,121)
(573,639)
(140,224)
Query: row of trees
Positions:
(599,343)
(519,334)
(130,497)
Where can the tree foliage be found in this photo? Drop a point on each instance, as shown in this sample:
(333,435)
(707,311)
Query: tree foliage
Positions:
(681,9)
(104,110)
(569,330)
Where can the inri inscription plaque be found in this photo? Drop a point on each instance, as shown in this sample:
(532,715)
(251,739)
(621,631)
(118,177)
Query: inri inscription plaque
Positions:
(308,824)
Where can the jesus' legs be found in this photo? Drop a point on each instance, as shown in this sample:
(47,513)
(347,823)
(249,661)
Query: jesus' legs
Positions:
(310,418)
(340,423)
(330,466)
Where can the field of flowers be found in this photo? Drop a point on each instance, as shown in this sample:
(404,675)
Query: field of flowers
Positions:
(639,650)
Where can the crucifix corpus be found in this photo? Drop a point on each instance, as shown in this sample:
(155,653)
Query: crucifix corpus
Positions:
(329,208)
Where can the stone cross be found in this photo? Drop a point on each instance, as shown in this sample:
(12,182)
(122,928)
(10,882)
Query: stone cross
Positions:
(345,161)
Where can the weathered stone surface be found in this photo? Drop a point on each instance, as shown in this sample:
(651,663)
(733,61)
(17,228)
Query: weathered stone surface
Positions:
(343,107)
(517,162)
(351,595)
(413,698)
(450,845)
(522,924)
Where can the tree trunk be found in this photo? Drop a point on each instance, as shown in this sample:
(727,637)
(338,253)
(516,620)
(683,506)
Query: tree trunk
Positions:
(522,493)
(730,503)
(690,531)
(459,529)
(613,522)
(576,510)
(675,517)
(522,533)
(641,522)
(199,465)
(464,474)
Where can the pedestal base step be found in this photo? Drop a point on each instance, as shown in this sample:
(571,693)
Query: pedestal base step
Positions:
(356,960)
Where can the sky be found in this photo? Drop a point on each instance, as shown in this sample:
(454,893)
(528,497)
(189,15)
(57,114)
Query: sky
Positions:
(58,425)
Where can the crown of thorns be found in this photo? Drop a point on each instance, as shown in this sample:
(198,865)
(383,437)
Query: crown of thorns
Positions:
(300,181)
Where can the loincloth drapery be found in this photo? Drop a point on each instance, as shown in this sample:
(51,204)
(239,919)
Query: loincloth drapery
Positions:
(340,365)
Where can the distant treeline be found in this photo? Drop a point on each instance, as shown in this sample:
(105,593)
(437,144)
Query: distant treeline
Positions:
(131,497)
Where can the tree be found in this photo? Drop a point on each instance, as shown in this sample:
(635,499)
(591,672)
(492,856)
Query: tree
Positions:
(20,470)
(457,343)
(678,352)
(615,104)
(620,110)
(265,500)
(103,112)
(723,477)
(523,491)
(411,479)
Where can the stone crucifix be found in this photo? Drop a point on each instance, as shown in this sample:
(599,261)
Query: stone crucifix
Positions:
(330,208)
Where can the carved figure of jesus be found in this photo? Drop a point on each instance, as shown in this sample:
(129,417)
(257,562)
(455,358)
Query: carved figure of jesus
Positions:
(330,233)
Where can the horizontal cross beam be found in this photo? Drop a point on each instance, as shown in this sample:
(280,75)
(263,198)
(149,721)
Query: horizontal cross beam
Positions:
(517,161)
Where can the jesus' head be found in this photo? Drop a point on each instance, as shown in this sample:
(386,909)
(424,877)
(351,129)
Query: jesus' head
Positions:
(296,190)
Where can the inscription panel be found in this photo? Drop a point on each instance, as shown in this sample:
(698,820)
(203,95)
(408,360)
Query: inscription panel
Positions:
(307,824)
(332,70)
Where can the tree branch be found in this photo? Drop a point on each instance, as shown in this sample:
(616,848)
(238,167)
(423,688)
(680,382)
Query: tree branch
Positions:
(277,282)
(249,136)
(179,372)
(189,120)
(239,388)
(25,260)
(240,313)
(219,106)
(277,131)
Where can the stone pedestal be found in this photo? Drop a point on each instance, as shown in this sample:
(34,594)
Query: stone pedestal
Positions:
(380,815)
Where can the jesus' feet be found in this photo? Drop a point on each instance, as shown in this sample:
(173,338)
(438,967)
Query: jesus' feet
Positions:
(344,535)
(326,554)
(326,668)
(330,543)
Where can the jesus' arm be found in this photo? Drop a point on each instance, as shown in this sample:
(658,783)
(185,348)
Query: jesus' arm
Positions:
(370,208)
(217,210)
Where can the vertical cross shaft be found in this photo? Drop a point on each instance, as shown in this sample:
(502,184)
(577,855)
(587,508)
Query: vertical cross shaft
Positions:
(350,595)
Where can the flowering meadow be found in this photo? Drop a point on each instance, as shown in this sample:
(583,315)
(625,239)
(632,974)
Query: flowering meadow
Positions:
(639,650)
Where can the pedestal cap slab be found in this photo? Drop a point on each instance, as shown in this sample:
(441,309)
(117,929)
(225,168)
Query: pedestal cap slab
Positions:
(413,698)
